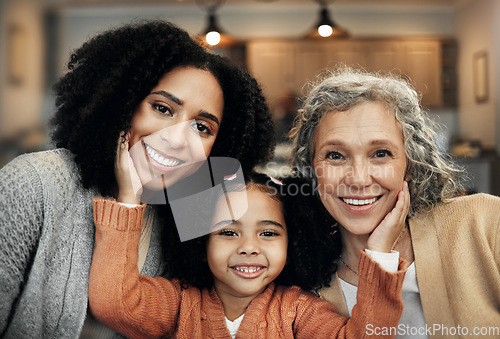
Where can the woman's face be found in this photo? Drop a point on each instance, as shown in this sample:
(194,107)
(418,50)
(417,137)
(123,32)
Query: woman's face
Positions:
(175,126)
(360,163)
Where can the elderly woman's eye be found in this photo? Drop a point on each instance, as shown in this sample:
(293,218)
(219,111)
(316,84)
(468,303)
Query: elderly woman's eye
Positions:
(334,156)
(382,153)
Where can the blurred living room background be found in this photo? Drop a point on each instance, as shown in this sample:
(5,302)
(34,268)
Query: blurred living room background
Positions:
(450,49)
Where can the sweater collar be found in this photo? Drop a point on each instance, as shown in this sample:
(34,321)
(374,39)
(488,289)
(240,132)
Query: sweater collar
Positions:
(253,314)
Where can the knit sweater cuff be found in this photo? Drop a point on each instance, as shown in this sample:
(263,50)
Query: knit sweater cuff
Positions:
(109,213)
(370,271)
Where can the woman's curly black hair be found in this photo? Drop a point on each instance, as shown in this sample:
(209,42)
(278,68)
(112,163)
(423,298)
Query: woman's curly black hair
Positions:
(113,72)
(307,246)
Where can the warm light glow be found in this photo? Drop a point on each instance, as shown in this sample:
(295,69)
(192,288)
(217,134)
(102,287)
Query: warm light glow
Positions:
(325,30)
(212,38)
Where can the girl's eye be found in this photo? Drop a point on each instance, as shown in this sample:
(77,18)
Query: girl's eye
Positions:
(334,156)
(382,153)
(227,233)
(201,128)
(163,109)
(269,234)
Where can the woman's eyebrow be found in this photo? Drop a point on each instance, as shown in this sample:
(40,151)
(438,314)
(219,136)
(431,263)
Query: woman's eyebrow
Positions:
(179,102)
(169,96)
(210,116)
(381,142)
(333,142)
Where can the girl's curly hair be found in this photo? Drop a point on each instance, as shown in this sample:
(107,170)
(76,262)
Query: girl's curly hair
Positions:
(113,72)
(434,177)
(305,241)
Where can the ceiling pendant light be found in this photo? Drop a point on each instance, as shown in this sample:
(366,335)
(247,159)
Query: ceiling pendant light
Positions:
(213,35)
(326,27)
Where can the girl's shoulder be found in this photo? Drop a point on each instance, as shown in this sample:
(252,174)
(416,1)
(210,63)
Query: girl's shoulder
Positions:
(296,295)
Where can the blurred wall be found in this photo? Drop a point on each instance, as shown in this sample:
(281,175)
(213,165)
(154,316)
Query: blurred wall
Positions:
(260,20)
(22,65)
(54,31)
(478,30)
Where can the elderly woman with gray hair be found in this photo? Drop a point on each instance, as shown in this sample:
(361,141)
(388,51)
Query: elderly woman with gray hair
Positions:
(360,140)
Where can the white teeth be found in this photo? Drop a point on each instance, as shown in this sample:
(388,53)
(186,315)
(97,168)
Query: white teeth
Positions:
(359,202)
(247,269)
(165,162)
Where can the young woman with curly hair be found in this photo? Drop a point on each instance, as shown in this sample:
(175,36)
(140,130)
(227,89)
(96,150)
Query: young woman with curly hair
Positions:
(360,140)
(229,283)
(139,79)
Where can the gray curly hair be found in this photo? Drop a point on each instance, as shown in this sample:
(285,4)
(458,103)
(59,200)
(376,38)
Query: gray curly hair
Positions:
(434,177)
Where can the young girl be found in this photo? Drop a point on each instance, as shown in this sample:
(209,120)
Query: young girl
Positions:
(244,256)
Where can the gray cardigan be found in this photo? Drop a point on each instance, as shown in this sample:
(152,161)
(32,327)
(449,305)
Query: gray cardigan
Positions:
(46,245)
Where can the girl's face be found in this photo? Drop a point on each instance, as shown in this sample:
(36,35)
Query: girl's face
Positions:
(247,254)
(360,163)
(175,126)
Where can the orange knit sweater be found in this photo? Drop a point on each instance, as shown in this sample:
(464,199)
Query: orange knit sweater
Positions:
(143,307)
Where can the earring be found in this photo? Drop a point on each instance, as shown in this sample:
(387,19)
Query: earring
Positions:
(334,228)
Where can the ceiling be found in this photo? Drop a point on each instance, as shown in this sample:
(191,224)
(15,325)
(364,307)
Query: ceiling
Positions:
(246,2)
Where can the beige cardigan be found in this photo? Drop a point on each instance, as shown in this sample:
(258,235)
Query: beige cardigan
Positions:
(457,260)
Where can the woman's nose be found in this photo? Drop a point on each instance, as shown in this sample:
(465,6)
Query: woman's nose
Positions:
(176,136)
(358,175)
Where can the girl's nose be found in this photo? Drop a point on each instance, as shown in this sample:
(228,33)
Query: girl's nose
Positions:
(248,246)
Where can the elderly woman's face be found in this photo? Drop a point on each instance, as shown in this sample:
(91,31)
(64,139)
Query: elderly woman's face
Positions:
(360,163)
(175,126)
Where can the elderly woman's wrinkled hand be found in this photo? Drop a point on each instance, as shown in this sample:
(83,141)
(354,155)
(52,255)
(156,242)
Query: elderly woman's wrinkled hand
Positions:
(129,183)
(385,235)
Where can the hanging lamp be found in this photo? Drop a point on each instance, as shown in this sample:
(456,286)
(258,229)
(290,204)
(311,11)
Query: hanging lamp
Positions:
(326,27)
(213,35)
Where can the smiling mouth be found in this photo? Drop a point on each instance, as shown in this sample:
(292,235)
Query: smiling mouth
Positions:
(360,202)
(248,269)
(161,158)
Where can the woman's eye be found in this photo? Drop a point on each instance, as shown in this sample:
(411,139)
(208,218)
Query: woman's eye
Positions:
(382,153)
(201,128)
(163,109)
(269,234)
(334,156)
